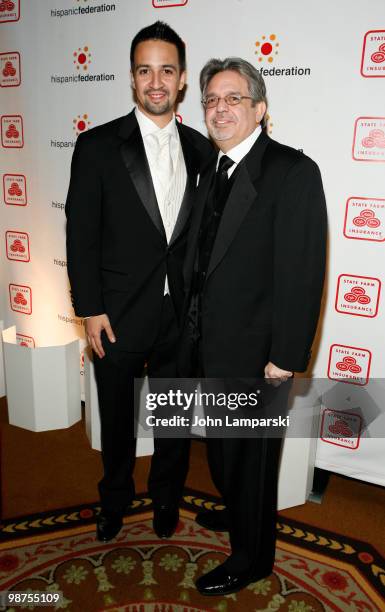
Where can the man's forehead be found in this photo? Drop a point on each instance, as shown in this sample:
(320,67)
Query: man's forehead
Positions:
(149,64)
(156,47)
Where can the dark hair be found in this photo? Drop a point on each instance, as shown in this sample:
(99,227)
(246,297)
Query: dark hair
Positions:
(160,31)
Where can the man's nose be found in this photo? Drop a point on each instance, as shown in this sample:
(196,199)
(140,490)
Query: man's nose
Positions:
(222,106)
(156,80)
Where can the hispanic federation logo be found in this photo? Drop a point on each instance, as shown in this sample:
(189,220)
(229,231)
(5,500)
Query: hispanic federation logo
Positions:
(267,48)
(82,58)
(80,124)
(373,54)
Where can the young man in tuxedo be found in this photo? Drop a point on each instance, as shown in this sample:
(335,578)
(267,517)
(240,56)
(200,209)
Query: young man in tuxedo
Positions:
(132,187)
(254,272)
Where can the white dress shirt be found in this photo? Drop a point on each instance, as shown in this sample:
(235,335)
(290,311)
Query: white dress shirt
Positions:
(169,196)
(148,129)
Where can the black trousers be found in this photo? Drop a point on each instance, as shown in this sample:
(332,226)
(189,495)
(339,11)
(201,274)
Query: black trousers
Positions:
(245,471)
(115,375)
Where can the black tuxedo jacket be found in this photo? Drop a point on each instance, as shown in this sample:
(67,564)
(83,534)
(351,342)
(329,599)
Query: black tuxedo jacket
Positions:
(262,292)
(117,252)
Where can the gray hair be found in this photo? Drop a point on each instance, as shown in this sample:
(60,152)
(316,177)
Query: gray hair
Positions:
(255,82)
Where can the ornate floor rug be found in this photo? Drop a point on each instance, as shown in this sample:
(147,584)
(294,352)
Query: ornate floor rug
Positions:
(57,551)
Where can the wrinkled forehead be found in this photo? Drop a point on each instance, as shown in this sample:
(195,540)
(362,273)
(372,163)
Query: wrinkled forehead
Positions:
(227,82)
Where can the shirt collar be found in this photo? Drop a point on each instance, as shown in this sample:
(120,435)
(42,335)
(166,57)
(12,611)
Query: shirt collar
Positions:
(147,126)
(238,152)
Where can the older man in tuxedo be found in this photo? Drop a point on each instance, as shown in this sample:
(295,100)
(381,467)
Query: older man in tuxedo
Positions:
(254,272)
(132,187)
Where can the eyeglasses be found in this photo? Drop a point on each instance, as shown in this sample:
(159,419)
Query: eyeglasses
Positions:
(231,100)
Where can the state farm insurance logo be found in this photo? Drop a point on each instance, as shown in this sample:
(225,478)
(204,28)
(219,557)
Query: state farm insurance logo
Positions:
(358,295)
(23,340)
(267,48)
(168,3)
(17,244)
(373,54)
(82,58)
(9,10)
(10,73)
(369,139)
(349,364)
(80,124)
(20,298)
(365,219)
(14,189)
(12,136)
(341,428)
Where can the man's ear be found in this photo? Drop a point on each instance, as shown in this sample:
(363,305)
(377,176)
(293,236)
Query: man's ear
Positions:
(132,80)
(260,110)
(182,81)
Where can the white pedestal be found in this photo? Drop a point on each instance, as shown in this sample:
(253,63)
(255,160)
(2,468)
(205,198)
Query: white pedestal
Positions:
(296,471)
(298,454)
(144,446)
(43,386)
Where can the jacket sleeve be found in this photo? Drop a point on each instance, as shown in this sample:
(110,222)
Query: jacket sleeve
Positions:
(84,215)
(300,233)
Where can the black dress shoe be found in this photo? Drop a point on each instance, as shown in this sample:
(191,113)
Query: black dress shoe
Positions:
(221,581)
(213,520)
(108,525)
(165,521)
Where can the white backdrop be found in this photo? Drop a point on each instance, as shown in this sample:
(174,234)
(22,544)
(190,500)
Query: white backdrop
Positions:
(64,67)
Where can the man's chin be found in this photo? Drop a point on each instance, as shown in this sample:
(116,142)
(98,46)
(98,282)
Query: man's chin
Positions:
(158,109)
(220,135)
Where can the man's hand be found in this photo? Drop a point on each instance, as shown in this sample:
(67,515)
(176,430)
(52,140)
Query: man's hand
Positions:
(276,374)
(94,327)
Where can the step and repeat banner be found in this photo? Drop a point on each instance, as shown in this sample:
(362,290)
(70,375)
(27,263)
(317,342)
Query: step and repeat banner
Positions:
(64,68)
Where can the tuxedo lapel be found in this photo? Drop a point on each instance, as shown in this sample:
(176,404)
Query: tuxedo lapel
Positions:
(201,196)
(241,197)
(191,159)
(135,160)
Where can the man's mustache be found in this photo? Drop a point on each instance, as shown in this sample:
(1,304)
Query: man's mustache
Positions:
(152,90)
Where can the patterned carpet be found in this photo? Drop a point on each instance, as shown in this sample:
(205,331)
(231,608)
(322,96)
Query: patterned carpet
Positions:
(57,551)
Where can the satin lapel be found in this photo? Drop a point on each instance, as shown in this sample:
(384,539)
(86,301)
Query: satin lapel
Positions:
(191,160)
(241,197)
(201,198)
(135,160)
(239,201)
